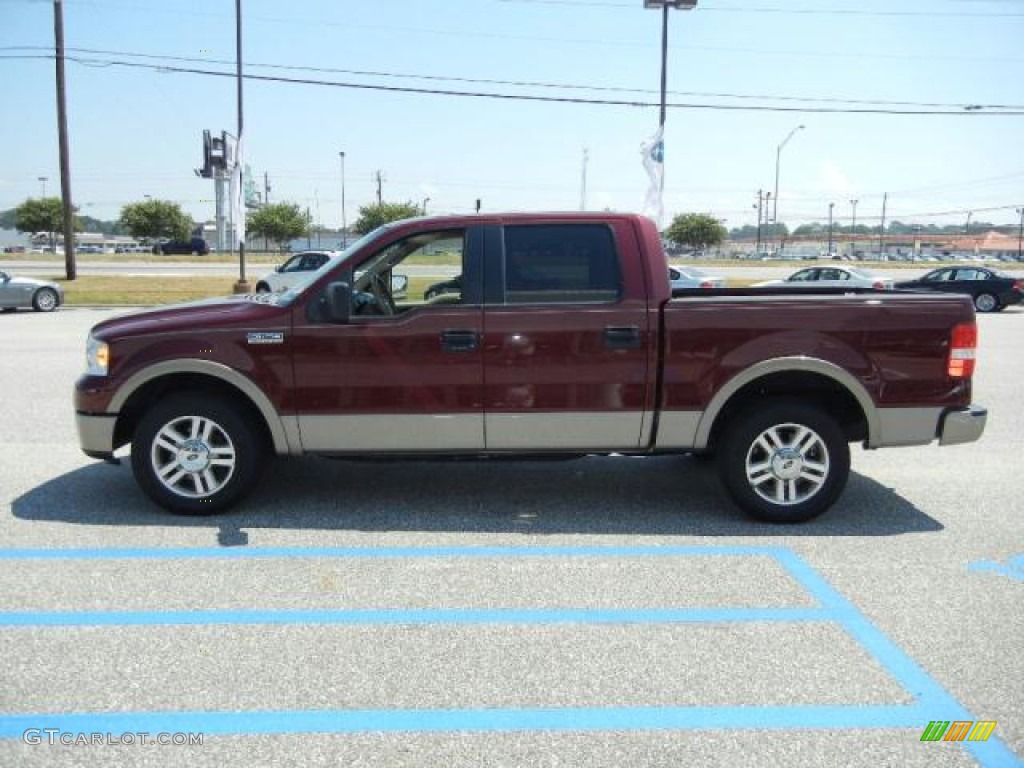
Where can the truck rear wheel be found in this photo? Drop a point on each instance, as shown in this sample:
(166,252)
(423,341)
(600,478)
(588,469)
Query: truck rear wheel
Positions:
(784,461)
(196,454)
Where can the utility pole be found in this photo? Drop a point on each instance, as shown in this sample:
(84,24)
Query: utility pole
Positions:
(380,180)
(344,222)
(65,159)
(881,229)
(242,286)
(1020,234)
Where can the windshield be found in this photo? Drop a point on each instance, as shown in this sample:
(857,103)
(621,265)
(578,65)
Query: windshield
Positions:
(288,297)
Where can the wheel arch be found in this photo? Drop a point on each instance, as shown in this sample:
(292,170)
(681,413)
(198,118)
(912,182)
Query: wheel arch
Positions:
(811,379)
(163,378)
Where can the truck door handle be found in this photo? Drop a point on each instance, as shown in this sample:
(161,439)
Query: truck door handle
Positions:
(458,341)
(623,337)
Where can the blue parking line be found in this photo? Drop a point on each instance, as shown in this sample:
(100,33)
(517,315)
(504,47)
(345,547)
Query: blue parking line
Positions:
(932,701)
(425,720)
(412,616)
(938,703)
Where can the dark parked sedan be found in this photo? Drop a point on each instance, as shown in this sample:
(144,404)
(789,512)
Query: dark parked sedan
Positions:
(990,289)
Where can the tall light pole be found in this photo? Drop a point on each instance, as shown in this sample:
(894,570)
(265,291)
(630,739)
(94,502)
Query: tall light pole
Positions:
(778,157)
(583,180)
(42,182)
(425,201)
(664,5)
(344,221)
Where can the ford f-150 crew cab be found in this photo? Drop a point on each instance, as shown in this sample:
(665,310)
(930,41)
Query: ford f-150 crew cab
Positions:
(562,338)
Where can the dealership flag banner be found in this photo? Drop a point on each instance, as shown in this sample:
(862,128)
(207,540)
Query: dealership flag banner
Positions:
(653,151)
(238,194)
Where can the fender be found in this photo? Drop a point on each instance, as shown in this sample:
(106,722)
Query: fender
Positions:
(787,365)
(279,429)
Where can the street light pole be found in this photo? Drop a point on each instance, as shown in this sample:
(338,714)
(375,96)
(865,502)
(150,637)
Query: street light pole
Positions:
(778,157)
(42,181)
(344,221)
(830,207)
(853,227)
(683,5)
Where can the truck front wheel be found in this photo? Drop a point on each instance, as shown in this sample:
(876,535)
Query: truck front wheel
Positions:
(196,454)
(784,461)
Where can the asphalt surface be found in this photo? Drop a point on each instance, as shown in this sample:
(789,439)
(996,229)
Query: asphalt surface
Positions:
(599,612)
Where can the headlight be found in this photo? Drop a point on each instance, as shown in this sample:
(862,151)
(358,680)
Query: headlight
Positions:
(97,357)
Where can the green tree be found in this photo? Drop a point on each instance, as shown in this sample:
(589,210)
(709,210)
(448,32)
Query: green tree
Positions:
(696,230)
(372,216)
(156,218)
(43,214)
(280,222)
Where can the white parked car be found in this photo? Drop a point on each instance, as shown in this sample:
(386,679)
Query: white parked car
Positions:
(691,277)
(833,277)
(294,270)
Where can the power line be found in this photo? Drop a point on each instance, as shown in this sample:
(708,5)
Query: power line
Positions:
(779,10)
(970,110)
(528,83)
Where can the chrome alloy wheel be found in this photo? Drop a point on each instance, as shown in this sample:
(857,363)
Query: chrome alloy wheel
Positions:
(787,464)
(193,456)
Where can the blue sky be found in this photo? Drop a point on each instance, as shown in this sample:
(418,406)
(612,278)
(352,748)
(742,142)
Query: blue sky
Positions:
(137,131)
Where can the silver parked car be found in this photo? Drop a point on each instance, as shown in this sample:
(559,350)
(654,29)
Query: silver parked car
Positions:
(833,277)
(691,277)
(40,295)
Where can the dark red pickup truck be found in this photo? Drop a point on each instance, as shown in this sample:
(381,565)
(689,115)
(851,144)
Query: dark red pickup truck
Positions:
(561,337)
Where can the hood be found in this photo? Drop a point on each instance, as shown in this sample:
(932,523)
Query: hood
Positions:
(240,311)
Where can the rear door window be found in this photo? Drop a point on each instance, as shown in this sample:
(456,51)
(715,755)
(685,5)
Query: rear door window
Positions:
(561,263)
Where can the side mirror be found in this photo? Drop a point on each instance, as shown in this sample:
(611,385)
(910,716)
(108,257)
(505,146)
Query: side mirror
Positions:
(339,302)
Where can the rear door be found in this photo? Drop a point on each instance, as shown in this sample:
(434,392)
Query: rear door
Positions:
(566,338)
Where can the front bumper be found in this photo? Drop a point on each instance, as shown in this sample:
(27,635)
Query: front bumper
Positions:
(963,425)
(96,434)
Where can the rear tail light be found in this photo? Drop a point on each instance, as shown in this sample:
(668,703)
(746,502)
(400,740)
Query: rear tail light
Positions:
(1018,285)
(706,284)
(963,342)
(878,285)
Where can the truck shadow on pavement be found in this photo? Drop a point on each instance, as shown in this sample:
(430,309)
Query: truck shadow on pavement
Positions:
(669,495)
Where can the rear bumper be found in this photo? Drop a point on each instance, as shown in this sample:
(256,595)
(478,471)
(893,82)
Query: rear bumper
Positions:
(963,425)
(96,434)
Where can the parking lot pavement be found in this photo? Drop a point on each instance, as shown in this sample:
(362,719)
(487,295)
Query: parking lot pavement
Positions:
(605,611)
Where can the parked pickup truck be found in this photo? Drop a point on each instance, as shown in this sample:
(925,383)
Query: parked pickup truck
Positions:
(563,338)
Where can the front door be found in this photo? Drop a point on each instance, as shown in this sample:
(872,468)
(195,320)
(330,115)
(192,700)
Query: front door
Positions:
(406,373)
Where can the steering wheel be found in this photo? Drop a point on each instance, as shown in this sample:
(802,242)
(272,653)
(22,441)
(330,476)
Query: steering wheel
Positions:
(383,301)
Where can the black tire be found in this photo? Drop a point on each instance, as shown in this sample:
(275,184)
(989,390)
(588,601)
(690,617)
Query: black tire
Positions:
(262,287)
(45,300)
(199,480)
(986,302)
(809,462)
